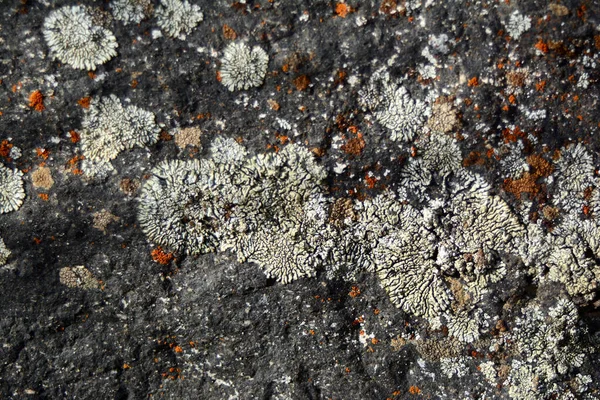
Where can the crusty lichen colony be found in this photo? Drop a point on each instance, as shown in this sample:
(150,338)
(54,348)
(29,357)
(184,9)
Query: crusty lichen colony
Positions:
(506,262)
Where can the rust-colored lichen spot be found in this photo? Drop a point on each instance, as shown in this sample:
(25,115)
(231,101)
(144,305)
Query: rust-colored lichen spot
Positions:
(126,366)
(528,181)
(74,136)
(539,86)
(43,196)
(42,153)
(273,104)
(354,292)
(388,7)
(370,181)
(165,136)
(229,33)
(161,257)
(301,82)
(92,75)
(354,146)
(473,82)
(342,9)
(541,46)
(512,135)
(178,349)
(84,102)
(414,390)
(5,147)
(36,101)
(473,158)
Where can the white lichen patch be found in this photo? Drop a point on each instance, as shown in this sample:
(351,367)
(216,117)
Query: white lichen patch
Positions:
(393,107)
(131,11)
(12,192)
(549,344)
(76,39)
(517,24)
(4,253)
(242,68)
(178,18)
(281,225)
(575,173)
(109,128)
(183,205)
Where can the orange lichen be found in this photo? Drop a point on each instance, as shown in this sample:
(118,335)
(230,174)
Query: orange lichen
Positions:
(42,153)
(512,99)
(161,257)
(354,146)
(178,349)
(301,82)
(273,104)
(43,196)
(84,102)
(133,83)
(525,184)
(5,147)
(473,82)
(539,167)
(541,46)
(36,101)
(540,86)
(92,75)
(219,78)
(74,136)
(354,292)
(126,366)
(414,390)
(370,181)
(228,32)
(342,10)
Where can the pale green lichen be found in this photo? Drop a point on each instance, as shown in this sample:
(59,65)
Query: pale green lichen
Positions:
(75,38)
(12,192)
(393,107)
(4,253)
(110,128)
(178,18)
(242,67)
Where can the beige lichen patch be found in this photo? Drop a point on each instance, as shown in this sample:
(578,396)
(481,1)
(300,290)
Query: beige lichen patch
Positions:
(129,186)
(42,178)
(188,137)
(434,350)
(102,219)
(444,117)
(78,277)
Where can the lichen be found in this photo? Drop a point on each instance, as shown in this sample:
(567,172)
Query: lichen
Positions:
(76,39)
(178,18)
(12,193)
(131,11)
(550,346)
(393,107)
(517,24)
(109,128)
(78,277)
(4,253)
(183,205)
(242,68)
